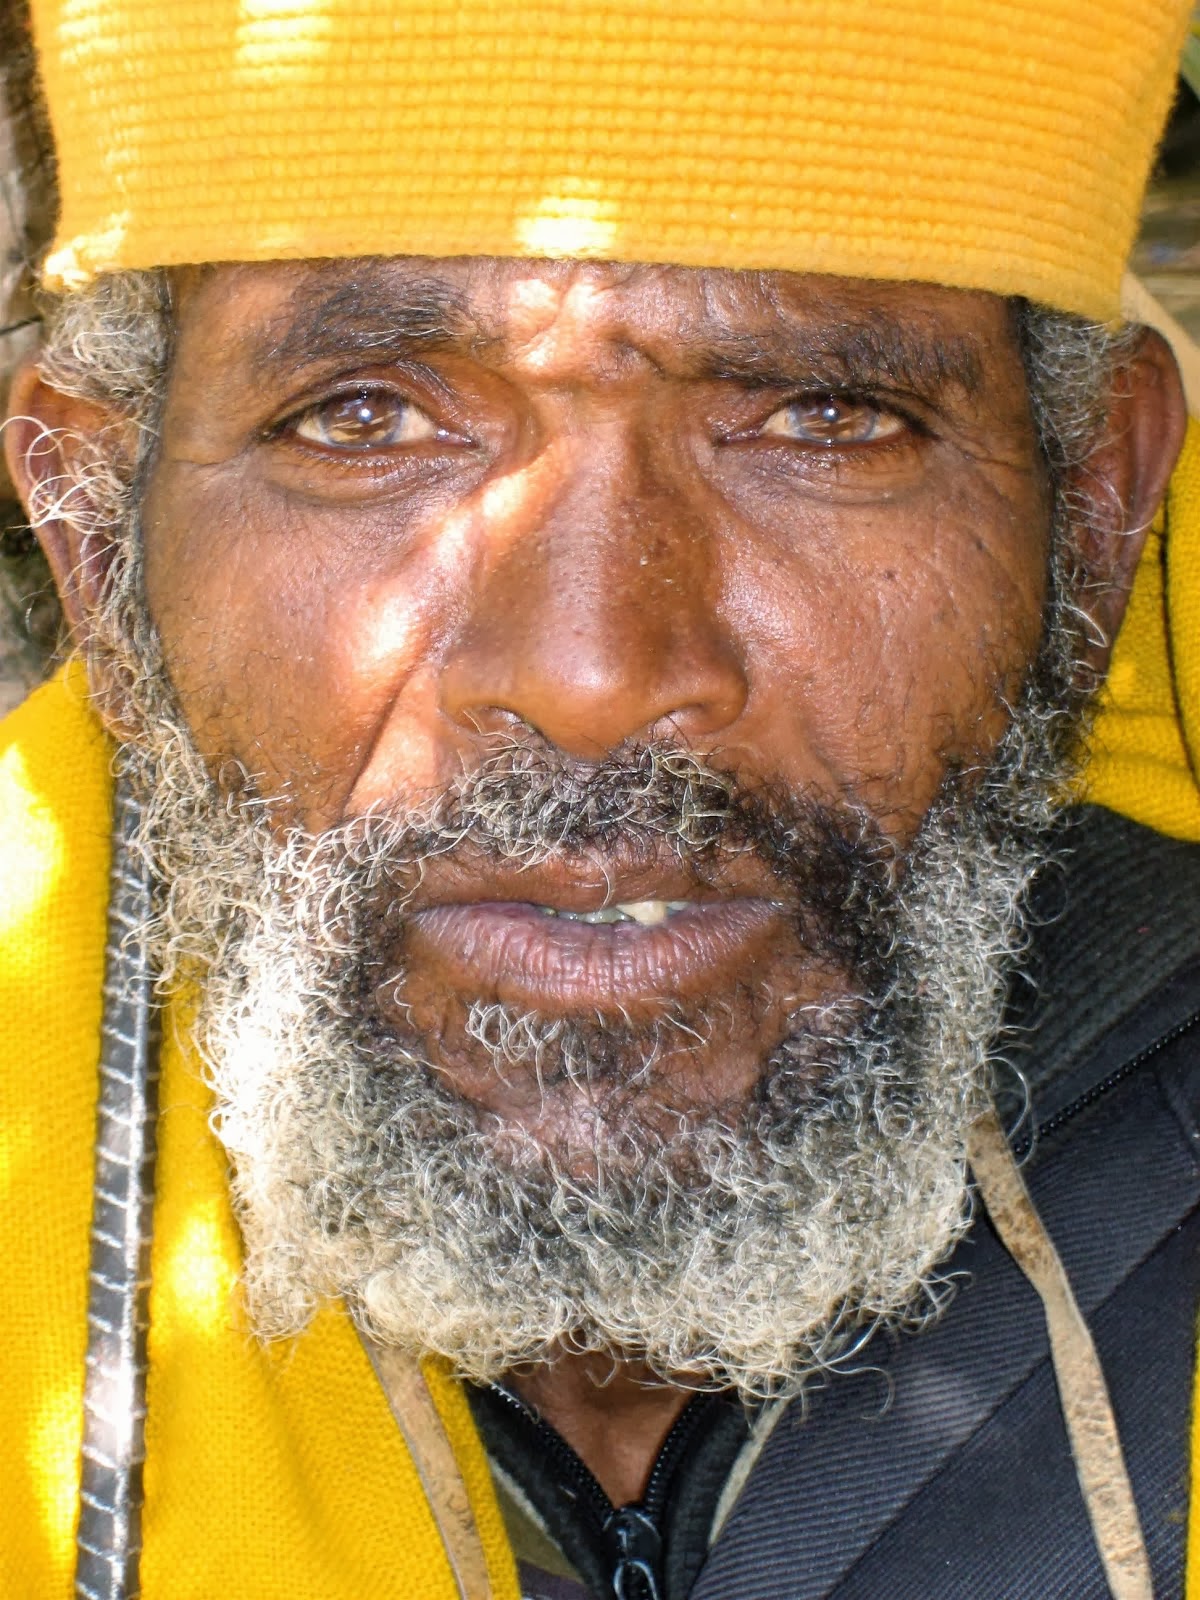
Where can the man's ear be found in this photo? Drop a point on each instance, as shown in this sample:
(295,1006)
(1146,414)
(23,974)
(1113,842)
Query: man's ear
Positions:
(1124,481)
(60,449)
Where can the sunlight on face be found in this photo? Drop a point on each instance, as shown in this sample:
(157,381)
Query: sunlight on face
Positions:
(553,320)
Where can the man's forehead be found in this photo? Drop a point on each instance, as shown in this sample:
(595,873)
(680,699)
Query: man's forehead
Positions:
(283,315)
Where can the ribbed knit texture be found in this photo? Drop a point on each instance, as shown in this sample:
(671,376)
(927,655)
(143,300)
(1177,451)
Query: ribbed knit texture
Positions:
(272,1474)
(1000,146)
(54,820)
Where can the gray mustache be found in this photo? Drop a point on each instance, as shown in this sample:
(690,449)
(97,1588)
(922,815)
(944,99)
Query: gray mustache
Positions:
(528,802)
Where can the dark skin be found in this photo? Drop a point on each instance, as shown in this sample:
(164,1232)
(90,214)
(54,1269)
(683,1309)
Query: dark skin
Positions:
(796,524)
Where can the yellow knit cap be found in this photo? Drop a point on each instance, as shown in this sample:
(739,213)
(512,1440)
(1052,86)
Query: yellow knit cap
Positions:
(986,144)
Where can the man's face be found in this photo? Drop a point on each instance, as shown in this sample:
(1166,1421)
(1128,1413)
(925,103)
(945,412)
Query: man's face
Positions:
(593,721)
(406,517)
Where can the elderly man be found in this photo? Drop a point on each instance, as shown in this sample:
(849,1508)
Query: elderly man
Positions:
(589,536)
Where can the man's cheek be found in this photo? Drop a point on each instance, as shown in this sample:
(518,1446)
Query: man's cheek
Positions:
(291,650)
(899,672)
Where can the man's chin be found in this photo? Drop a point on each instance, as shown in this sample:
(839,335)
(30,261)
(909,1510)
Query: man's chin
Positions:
(736,1241)
(693,1262)
(572,1081)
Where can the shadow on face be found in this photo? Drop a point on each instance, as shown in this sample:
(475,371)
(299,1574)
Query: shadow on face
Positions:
(405,513)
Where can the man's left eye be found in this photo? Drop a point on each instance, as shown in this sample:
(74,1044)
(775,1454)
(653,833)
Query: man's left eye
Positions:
(831,420)
(367,419)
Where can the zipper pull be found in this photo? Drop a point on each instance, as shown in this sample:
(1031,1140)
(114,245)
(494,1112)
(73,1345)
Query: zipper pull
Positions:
(636,1547)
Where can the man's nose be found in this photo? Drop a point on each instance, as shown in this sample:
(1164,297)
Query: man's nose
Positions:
(597,620)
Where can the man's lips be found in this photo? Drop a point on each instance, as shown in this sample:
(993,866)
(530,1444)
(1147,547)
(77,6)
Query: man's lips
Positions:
(515,951)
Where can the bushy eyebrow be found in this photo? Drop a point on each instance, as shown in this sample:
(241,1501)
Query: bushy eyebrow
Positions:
(371,314)
(362,317)
(882,354)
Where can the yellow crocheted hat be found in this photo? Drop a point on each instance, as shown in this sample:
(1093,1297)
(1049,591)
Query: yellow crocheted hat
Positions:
(999,145)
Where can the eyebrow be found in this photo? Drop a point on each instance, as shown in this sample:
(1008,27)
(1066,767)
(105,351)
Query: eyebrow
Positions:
(362,317)
(847,357)
(371,314)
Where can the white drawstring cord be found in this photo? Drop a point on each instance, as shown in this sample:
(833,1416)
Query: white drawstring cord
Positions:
(1091,1426)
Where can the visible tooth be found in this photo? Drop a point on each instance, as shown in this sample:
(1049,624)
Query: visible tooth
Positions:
(648,912)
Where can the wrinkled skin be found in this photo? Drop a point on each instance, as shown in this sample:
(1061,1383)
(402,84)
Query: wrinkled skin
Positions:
(401,509)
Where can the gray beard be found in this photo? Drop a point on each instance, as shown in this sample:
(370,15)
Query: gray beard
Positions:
(739,1250)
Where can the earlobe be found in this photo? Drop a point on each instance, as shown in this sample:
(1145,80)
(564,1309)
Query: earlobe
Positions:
(59,449)
(1124,481)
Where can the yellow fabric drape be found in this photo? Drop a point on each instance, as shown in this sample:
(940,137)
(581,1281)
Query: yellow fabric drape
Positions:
(1145,750)
(272,1474)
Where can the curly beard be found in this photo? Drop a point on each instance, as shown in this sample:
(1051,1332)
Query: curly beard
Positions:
(734,1245)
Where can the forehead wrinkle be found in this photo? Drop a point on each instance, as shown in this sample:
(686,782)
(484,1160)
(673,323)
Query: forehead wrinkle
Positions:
(552,330)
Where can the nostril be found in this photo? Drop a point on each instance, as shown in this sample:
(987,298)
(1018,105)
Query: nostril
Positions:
(562,641)
(587,714)
(494,720)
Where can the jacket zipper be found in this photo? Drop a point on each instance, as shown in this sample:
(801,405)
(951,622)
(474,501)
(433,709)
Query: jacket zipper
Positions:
(591,1496)
(674,1447)
(1098,1090)
(632,1533)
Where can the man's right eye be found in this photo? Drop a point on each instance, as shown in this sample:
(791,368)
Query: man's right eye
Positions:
(364,419)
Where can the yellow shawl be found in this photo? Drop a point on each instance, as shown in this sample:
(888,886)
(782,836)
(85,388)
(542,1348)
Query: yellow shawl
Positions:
(272,1474)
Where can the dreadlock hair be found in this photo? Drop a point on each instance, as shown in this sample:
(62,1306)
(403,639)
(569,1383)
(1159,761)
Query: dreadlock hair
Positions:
(30,618)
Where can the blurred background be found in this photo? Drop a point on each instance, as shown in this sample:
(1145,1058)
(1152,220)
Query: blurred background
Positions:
(1167,257)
